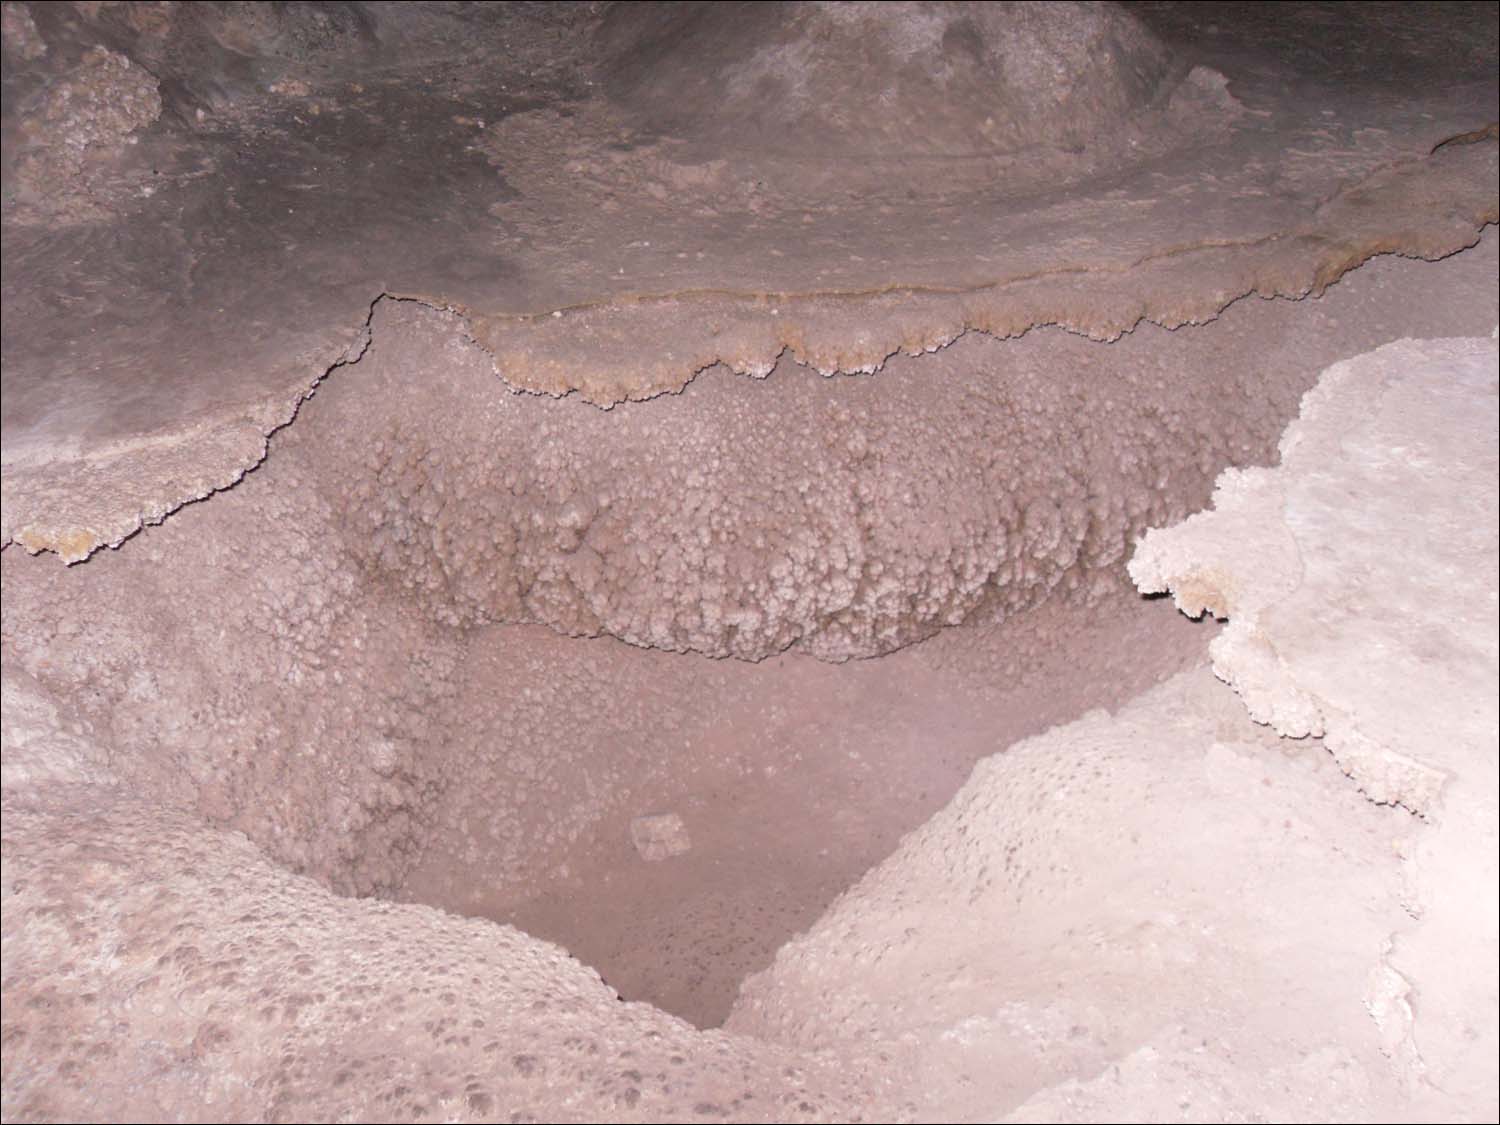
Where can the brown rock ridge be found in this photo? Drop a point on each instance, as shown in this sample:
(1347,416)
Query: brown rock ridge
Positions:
(303,164)
(1424,208)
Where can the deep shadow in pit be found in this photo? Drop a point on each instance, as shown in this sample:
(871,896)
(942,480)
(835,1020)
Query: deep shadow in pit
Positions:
(788,779)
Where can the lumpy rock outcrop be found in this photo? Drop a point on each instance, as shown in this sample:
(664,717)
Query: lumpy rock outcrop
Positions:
(1103,921)
(1170,849)
(844,518)
(943,79)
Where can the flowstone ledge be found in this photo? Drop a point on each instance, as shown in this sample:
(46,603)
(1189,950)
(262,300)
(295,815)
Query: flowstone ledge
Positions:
(1359,582)
(201,202)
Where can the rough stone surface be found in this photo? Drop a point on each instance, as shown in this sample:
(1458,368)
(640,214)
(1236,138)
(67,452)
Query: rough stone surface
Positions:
(846,520)
(954,80)
(307,161)
(1099,924)
(992,952)
(413,502)
(69,126)
(792,777)
(1414,445)
(1380,521)
(441,631)
(843,518)
(156,970)
(1016,947)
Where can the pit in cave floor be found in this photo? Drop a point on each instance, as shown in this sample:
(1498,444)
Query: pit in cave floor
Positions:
(416,752)
(504,497)
(790,778)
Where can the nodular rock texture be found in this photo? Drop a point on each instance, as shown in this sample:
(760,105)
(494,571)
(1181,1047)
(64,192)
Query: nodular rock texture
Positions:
(512,423)
(1100,921)
(188,260)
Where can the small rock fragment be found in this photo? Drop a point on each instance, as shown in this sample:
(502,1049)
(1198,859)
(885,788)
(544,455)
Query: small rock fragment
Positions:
(659,837)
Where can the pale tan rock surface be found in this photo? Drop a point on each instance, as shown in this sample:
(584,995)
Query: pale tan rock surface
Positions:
(556,637)
(1163,915)
(1157,914)
(1362,605)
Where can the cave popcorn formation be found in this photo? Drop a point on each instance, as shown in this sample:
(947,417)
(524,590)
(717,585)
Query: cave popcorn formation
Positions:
(513,508)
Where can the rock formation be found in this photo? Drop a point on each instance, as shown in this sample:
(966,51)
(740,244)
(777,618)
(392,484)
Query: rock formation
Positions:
(574,562)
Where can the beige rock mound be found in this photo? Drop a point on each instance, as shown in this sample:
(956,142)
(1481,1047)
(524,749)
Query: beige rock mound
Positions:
(1170,913)
(156,970)
(1163,915)
(868,82)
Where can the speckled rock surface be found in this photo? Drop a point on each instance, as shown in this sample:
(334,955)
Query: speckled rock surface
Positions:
(94,108)
(512,163)
(955,80)
(845,519)
(574,455)
(293,659)
(152,723)
(993,951)
(155,970)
